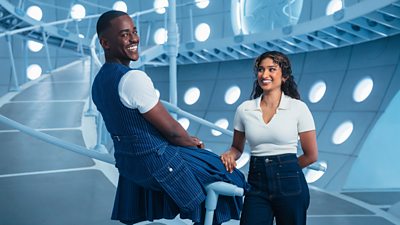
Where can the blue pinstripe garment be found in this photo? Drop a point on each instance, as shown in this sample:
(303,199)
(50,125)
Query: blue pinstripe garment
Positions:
(157,179)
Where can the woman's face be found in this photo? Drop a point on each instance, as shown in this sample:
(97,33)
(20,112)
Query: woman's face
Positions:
(269,75)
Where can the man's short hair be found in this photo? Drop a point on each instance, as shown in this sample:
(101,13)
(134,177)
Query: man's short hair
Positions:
(104,20)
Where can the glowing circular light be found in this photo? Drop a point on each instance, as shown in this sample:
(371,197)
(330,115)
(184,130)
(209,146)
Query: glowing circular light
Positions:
(192,95)
(34,46)
(160,6)
(81,36)
(244,158)
(33,71)
(78,12)
(363,89)
(317,91)
(223,123)
(202,3)
(334,6)
(160,36)
(314,175)
(342,133)
(35,12)
(232,95)
(202,32)
(184,122)
(120,6)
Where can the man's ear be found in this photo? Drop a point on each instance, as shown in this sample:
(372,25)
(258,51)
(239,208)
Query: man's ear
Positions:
(104,43)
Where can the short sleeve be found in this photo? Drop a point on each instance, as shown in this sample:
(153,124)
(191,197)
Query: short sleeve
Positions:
(238,120)
(136,91)
(306,120)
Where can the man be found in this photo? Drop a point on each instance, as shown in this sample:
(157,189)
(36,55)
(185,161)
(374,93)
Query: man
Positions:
(162,171)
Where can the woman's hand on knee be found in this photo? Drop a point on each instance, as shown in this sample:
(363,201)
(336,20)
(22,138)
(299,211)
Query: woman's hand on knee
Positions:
(229,160)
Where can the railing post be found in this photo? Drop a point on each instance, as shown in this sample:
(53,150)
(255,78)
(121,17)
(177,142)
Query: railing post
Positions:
(13,70)
(90,111)
(213,191)
(46,46)
(80,47)
(99,125)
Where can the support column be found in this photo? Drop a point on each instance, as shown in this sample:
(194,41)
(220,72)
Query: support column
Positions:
(172,44)
(46,46)
(26,60)
(13,70)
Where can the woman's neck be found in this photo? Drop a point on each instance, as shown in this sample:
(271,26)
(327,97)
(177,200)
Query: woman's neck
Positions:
(272,98)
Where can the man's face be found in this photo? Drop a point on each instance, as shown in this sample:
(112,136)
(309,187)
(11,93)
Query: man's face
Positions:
(120,41)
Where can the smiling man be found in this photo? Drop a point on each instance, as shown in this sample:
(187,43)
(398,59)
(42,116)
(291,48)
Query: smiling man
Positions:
(163,170)
(119,38)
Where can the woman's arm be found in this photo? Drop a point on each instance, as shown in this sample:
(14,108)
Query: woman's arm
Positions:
(229,157)
(308,142)
(159,117)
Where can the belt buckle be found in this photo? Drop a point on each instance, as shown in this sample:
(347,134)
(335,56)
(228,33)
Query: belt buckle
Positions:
(268,160)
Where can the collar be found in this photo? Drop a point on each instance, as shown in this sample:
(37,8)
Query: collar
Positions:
(283,104)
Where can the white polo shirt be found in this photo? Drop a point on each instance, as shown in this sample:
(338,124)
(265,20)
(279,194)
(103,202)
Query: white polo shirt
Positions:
(136,91)
(280,135)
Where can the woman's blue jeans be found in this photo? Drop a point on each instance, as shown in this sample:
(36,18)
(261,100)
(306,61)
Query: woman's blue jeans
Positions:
(278,190)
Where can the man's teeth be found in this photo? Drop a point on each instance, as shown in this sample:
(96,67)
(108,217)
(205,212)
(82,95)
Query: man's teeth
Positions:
(132,48)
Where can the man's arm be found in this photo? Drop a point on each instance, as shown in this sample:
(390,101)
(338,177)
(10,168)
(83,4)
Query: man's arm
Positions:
(159,117)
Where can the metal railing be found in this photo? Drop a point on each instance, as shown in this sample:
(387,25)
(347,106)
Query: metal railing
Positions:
(57,141)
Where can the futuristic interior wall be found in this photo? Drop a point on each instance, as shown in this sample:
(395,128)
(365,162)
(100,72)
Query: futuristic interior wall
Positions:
(380,150)
(341,69)
(354,49)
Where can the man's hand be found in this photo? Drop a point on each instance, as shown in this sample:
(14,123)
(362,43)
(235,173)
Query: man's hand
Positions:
(199,143)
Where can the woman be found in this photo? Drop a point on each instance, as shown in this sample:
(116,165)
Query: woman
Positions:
(272,122)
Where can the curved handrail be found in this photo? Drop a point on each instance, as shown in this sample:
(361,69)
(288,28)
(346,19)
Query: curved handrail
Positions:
(42,25)
(108,158)
(57,22)
(95,58)
(177,110)
(50,28)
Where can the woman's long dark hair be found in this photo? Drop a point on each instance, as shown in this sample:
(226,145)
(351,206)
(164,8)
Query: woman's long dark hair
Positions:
(289,87)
